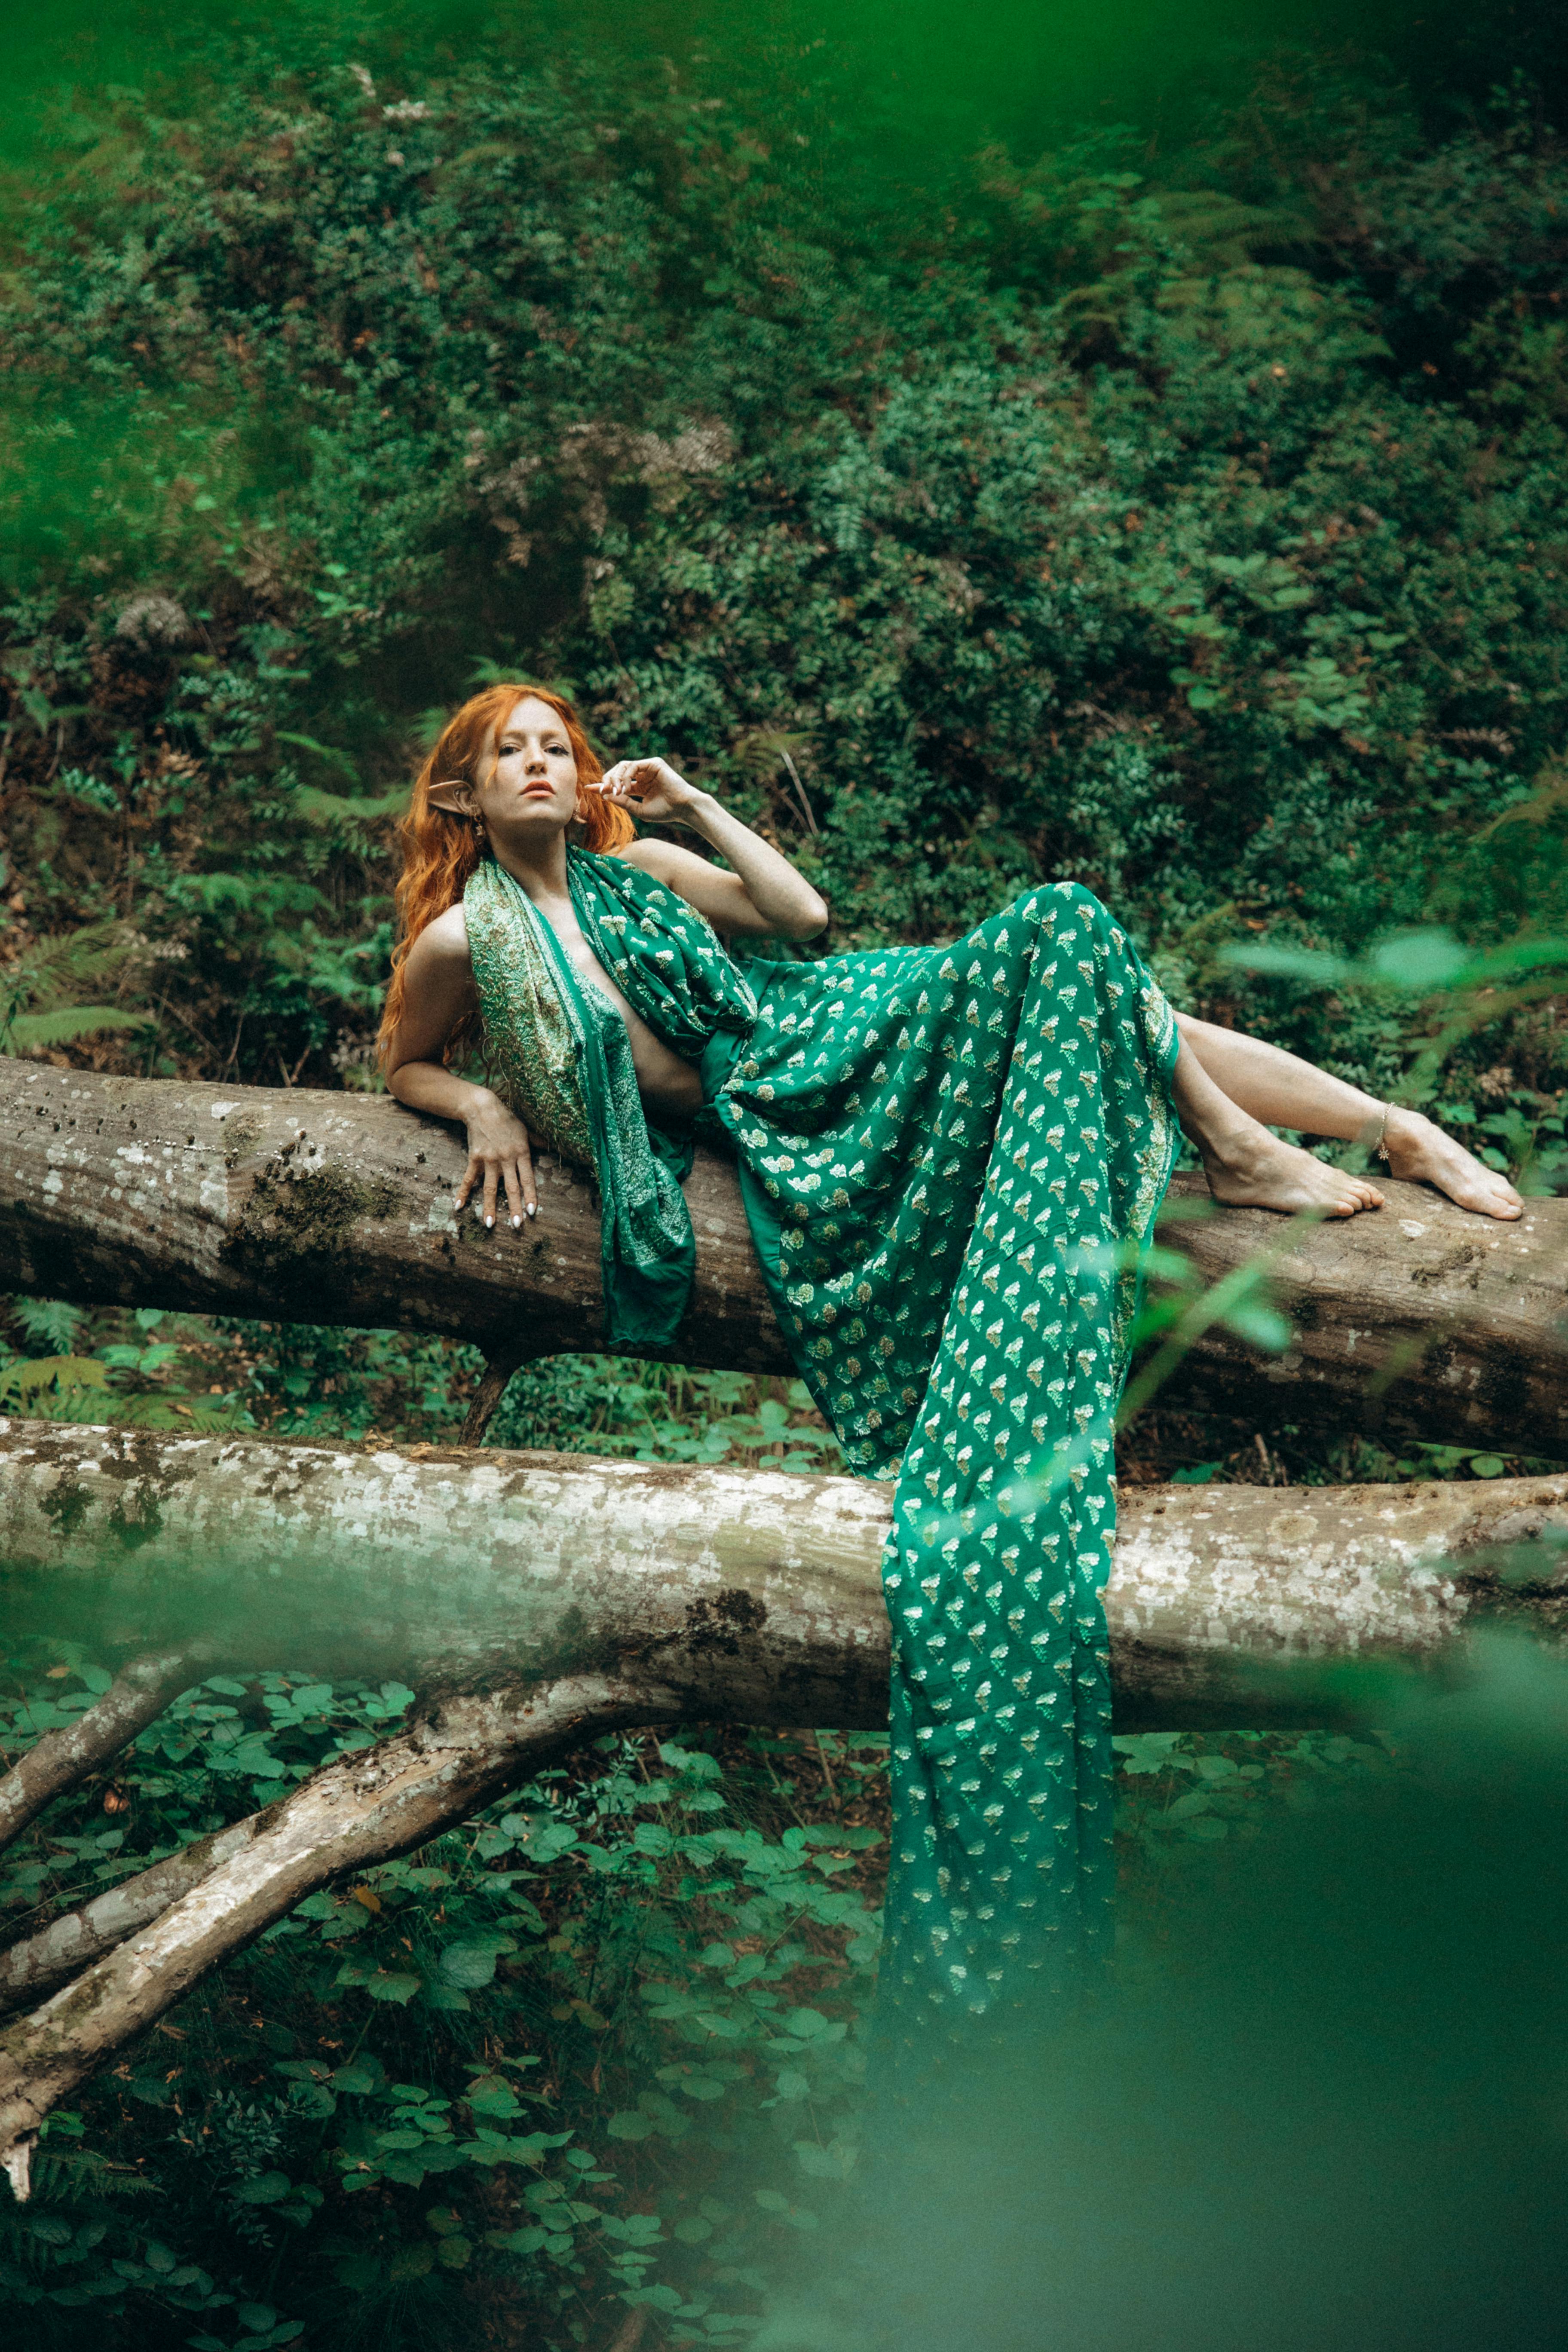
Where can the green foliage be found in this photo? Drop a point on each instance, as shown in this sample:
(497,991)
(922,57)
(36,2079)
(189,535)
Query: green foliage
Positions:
(130,1377)
(305,1380)
(661,1412)
(599,2047)
(477,2060)
(1201,539)
(40,990)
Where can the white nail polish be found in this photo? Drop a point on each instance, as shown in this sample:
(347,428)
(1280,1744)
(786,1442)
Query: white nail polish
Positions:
(531,1211)
(517,1224)
(489,1222)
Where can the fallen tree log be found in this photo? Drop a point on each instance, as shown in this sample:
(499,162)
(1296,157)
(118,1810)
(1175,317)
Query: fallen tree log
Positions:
(542,1599)
(742,1595)
(1420,1319)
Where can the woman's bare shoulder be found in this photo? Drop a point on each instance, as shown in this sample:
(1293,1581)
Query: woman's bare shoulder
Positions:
(444,942)
(648,857)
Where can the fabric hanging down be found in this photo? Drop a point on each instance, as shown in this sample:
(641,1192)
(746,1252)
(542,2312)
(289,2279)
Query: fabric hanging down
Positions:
(951,1159)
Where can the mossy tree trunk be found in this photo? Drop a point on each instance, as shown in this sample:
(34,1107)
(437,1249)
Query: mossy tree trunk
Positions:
(338,1208)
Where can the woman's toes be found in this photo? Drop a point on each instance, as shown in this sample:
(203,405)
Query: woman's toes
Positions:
(1489,1195)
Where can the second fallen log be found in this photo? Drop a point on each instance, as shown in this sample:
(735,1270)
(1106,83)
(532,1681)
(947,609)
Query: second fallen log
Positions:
(742,1596)
(546,1599)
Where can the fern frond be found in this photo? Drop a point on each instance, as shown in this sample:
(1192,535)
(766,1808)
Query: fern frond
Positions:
(66,1024)
(1549,799)
(52,1320)
(327,752)
(325,809)
(58,2168)
(68,961)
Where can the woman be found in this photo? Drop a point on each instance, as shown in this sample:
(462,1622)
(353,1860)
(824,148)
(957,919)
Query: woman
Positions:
(950,1158)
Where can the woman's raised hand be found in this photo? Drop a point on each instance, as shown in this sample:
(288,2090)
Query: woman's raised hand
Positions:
(499,1158)
(649,789)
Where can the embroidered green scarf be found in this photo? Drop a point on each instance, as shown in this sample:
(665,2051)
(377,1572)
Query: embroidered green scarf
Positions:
(560,1055)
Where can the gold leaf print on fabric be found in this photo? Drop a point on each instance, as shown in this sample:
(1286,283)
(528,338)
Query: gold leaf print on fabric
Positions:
(954,1265)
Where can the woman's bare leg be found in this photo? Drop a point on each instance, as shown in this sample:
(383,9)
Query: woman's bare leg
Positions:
(1248,1167)
(1277,1088)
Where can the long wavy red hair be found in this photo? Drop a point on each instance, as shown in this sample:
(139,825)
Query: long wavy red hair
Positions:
(440,850)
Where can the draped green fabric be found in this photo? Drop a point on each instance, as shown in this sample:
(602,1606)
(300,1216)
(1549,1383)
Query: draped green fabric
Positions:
(561,1055)
(951,1160)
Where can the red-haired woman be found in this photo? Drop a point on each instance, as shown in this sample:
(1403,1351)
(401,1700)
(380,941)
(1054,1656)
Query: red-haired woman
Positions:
(950,1158)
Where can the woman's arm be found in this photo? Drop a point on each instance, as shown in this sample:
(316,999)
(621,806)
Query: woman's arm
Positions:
(761,897)
(440,983)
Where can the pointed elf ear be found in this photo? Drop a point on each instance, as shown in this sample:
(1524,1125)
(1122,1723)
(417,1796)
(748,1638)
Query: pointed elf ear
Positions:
(453,796)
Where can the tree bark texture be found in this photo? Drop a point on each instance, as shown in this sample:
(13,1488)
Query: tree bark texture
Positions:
(741,1595)
(39,1963)
(337,1208)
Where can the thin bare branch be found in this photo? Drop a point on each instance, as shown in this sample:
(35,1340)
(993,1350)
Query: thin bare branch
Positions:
(35,1967)
(500,1366)
(367,1807)
(136,1697)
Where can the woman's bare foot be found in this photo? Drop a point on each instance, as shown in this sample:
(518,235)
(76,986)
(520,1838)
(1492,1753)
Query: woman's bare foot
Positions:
(1422,1154)
(1248,1168)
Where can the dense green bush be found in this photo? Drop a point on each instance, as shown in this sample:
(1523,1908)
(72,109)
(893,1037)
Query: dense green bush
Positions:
(449,2098)
(1204,542)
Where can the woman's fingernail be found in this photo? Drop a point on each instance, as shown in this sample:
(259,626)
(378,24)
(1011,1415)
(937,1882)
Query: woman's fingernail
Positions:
(532,1210)
(517,1224)
(489,1222)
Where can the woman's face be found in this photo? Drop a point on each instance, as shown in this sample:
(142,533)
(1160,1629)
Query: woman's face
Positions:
(528,773)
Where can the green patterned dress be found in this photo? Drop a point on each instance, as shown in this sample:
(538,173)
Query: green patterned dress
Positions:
(951,1159)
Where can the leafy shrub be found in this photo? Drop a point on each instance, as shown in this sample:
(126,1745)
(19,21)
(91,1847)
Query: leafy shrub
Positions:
(1201,541)
(478,2062)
